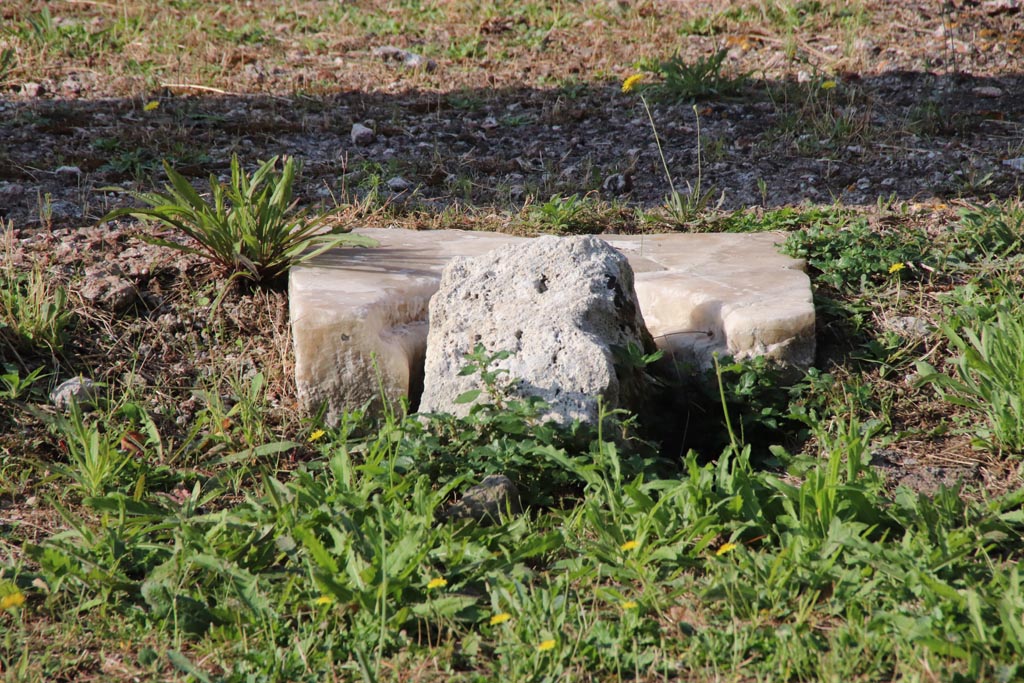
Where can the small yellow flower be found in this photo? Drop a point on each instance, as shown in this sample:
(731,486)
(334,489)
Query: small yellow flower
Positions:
(828,85)
(726,547)
(500,618)
(324,600)
(629,604)
(15,599)
(632,82)
(318,434)
(628,545)
(897,267)
(151,105)
(546,645)
(439,582)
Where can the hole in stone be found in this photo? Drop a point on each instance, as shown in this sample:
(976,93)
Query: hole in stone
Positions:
(417,361)
(519,334)
(541,285)
(345,337)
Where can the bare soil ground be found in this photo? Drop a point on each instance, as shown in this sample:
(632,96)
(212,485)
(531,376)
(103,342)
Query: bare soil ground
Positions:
(868,105)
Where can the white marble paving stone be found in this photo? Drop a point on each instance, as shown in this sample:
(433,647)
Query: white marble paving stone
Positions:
(359,315)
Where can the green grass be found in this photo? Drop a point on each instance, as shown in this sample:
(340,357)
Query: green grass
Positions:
(35,314)
(338,564)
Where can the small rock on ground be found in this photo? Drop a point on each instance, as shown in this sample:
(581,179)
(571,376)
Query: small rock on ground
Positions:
(487,501)
(78,390)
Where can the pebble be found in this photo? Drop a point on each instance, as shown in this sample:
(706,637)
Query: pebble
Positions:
(79,390)
(361,135)
(864,184)
(988,91)
(11,190)
(618,183)
(1016,164)
(32,89)
(399,184)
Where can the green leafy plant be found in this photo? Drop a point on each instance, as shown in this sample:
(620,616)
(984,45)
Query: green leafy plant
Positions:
(567,214)
(701,79)
(988,377)
(502,434)
(250,229)
(95,462)
(13,386)
(34,310)
(821,116)
(852,256)
(992,233)
(6,63)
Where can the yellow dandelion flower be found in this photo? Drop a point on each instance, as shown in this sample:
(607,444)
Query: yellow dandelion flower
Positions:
(324,600)
(828,85)
(897,267)
(726,547)
(628,545)
(318,434)
(15,599)
(500,618)
(632,82)
(439,582)
(151,105)
(546,645)
(629,604)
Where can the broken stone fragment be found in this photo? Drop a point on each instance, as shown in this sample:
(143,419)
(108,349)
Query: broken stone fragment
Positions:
(565,308)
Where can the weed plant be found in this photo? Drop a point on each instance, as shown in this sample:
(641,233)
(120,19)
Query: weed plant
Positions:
(987,375)
(681,207)
(681,81)
(851,256)
(34,309)
(570,214)
(250,229)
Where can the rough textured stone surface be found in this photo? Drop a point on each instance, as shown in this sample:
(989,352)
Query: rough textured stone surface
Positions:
(564,307)
(486,502)
(699,293)
(105,287)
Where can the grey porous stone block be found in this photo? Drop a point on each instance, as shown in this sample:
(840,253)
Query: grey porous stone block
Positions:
(566,309)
